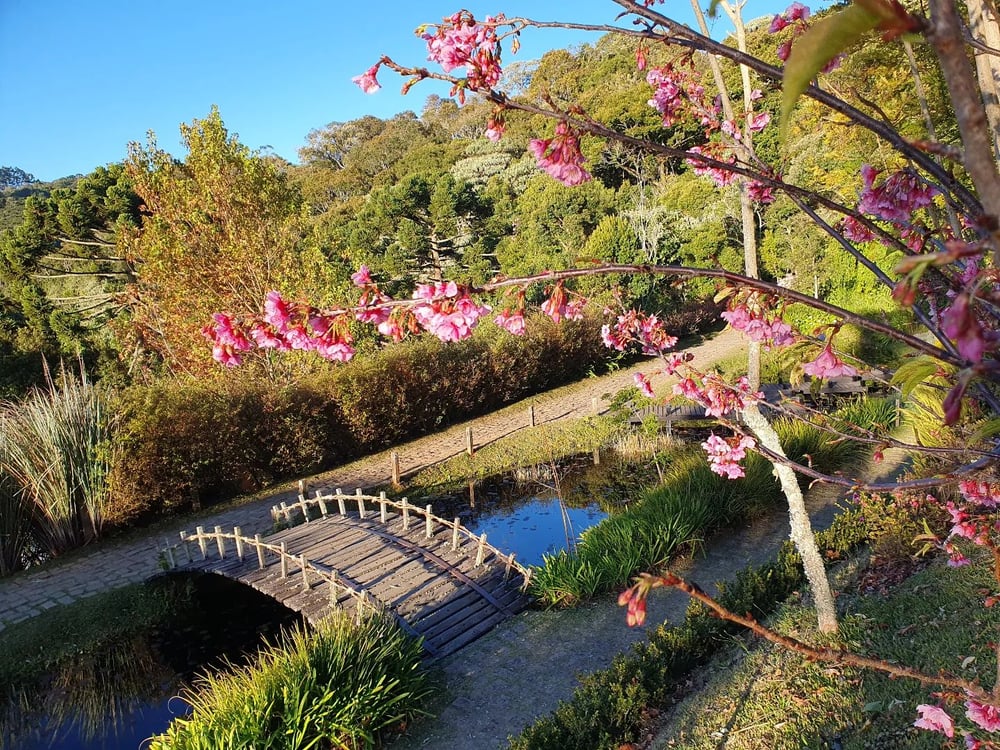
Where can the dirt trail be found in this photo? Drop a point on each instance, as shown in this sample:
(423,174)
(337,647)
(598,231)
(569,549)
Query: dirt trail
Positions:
(118,563)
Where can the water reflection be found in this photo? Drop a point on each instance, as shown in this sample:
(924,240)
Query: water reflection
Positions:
(120,693)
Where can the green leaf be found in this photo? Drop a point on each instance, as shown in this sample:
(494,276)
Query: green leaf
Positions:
(913,373)
(989,429)
(816,48)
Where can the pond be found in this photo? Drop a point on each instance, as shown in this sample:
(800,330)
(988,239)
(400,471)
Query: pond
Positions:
(123,693)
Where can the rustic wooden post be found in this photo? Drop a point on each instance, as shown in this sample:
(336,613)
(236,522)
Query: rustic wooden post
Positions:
(468,440)
(323,510)
(595,405)
(531,415)
(406,515)
(202,542)
(457,525)
(184,546)
(302,492)
(287,513)
(333,590)
(510,564)
(260,551)
(361,503)
(220,542)
(394,457)
(527,580)
(362,600)
(381,505)
(305,571)
(239,542)
(597,456)
(340,502)
(481,552)
(274,513)
(429,516)
(284,561)
(170,554)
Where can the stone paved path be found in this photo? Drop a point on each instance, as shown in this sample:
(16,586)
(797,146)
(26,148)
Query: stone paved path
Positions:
(113,564)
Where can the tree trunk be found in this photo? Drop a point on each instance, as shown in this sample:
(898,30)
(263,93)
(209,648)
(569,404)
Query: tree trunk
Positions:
(985,29)
(798,517)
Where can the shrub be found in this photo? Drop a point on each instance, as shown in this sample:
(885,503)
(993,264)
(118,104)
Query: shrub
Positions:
(339,686)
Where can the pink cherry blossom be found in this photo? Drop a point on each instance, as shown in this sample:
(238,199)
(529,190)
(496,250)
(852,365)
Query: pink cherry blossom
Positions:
(725,455)
(512,322)
(366,81)
(642,382)
(559,306)
(935,719)
(362,277)
(560,156)
(896,198)
(828,365)
(984,715)
(960,324)
(759,321)
(980,493)
(277,312)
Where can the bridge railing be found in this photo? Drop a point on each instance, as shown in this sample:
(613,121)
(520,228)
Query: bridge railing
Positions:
(322,505)
(202,545)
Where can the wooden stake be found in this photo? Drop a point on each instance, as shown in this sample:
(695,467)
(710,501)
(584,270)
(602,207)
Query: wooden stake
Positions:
(184,546)
(220,542)
(429,515)
(260,551)
(531,415)
(457,525)
(395,469)
(340,502)
(406,515)
(597,456)
(381,504)
(284,561)
(302,491)
(202,542)
(510,564)
(468,440)
(323,510)
(481,552)
(361,503)
(239,542)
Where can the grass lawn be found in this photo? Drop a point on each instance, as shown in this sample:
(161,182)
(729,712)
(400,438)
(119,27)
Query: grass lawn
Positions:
(762,696)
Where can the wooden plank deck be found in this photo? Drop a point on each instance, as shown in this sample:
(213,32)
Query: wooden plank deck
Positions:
(436,591)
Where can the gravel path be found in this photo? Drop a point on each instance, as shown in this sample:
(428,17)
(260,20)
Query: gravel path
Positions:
(118,563)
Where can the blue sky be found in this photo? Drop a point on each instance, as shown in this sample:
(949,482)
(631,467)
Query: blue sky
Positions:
(80,80)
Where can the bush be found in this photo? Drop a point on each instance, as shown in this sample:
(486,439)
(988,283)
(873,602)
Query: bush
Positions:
(340,686)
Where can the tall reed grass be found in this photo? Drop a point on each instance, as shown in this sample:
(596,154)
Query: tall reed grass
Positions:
(340,686)
(55,447)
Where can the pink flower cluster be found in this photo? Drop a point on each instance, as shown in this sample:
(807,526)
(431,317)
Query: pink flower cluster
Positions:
(447,311)
(962,326)
(724,454)
(828,365)
(367,81)
(643,384)
(715,394)
(719,175)
(560,156)
(284,327)
(758,317)
(461,41)
(677,94)
(562,305)
(636,327)
(896,198)
(986,716)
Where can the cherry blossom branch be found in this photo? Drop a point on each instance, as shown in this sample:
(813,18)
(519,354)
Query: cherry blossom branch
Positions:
(824,654)
(686,36)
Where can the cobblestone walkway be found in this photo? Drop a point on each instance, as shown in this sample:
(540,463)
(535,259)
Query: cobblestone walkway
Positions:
(118,563)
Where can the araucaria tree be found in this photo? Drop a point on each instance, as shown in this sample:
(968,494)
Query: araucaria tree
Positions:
(932,199)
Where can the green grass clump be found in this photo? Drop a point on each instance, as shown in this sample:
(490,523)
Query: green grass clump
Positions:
(690,503)
(611,707)
(340,686)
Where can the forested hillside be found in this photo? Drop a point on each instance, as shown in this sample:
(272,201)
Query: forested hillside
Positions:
(125,265)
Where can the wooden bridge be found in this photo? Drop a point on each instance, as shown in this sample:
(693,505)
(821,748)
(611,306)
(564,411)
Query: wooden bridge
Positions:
(439,580)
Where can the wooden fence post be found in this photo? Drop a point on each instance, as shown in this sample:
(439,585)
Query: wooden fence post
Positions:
(184,546)
(302,491)
(429,516)
(454,534)
(595,405)
(510,564)
(406,515)
(220,542)
(260,551)
(340,502)
(394,456)
(531,415)
(323,510)
(468,440)
(202,542)
(239,542)
(284,561)
(597,456)
(481,552)
(361,503)
(382,504)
